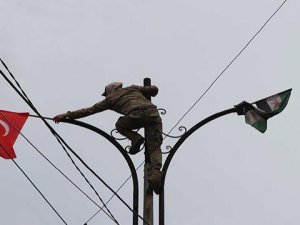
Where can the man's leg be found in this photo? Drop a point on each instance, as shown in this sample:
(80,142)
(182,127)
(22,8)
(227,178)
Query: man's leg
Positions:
(124,126)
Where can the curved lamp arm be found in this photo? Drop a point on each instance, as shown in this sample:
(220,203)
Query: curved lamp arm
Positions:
(124,154)
(174,150)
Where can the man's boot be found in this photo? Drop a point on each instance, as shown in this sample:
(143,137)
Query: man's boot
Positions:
(155,181)
(136,143)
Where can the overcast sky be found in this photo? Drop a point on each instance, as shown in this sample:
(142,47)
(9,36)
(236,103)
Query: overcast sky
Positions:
(63,53)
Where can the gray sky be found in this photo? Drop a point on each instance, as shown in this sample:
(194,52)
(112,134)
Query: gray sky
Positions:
(64,52)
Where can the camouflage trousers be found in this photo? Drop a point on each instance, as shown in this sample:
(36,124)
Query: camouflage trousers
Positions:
(153,131)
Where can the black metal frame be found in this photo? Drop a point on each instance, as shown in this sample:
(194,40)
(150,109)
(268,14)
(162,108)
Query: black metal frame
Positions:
(124,153)
(239,109)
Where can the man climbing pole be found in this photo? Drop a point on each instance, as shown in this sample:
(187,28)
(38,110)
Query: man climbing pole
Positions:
(138,112)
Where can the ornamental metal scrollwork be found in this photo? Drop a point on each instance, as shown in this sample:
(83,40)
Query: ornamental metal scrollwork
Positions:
(181,128)
(119,138)
(127,148)
(162,111)
(168,148)
(116,132)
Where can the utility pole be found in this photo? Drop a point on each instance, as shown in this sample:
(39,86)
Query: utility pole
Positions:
(148,192)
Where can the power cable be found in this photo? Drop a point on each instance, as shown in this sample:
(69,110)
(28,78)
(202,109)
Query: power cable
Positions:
(230,63)
(36,188)
(62,142)
(23,95)
(217,78)
(104,205)
(52,164)
(122,185)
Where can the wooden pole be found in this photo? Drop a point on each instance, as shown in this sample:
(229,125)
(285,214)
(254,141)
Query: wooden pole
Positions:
(148,192)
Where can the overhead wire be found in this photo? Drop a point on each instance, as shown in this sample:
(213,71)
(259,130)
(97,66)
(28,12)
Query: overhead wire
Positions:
(217,78)
(32,183)
(121,186)
(230,63)
(55,167)
(101,208)
(59,139)
(109,214)
(23,95)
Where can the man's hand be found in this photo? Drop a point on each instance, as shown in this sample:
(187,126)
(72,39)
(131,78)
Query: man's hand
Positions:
(150,90)
(59,117)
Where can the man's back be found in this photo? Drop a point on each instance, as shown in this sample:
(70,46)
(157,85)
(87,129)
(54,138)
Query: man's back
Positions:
(125,100)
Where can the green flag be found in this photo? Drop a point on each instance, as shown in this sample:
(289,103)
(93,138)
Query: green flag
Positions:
(266,108)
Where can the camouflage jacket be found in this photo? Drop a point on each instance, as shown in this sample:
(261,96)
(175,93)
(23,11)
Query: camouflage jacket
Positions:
(122,100)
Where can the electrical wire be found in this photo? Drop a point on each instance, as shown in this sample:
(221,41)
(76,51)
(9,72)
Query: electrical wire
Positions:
(32,183)
(230,63)
(59,139)
(122,185)
(55,167)
(216,79)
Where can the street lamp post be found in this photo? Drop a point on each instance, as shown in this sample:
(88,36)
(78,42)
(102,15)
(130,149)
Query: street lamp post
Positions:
(255,116)
(266,108)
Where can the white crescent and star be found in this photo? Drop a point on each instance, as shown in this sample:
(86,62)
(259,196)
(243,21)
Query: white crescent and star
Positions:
(5,126)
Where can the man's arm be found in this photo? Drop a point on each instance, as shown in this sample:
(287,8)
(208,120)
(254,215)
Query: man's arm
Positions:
(80,113)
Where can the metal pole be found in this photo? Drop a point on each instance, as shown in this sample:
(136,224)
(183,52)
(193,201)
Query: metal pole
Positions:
(148,192)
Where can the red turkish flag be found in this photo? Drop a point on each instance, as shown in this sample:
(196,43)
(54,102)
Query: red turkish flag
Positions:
(11,124)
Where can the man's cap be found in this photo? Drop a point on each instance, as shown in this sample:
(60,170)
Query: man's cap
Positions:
(110,87)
